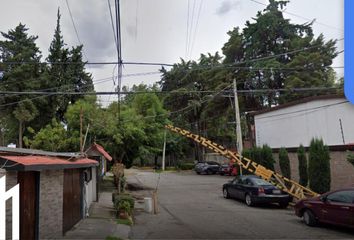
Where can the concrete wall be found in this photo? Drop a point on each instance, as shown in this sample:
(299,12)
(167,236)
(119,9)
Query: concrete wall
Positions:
(298,124)
(94,184)
(11,181)
(342,172)
(51,204)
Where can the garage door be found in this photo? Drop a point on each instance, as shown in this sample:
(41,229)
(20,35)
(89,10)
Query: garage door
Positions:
(28,204)
(71,198)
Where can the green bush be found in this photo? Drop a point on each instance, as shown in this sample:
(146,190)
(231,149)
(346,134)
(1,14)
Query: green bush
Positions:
(125,206)
(350,158)
(261,156)
(301,156)
(267,157)
(319,169)
(284,163)
(186,166)
(118,198)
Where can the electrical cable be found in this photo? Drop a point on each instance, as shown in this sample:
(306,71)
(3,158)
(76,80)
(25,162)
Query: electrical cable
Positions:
(76,32)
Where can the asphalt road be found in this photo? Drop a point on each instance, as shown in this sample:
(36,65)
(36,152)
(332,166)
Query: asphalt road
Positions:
(192,207)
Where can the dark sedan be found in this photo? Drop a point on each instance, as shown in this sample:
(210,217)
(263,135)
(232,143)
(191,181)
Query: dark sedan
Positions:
(335,207)
(254,190)
(207,167)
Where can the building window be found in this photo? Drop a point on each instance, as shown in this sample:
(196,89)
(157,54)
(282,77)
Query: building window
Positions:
(88,174)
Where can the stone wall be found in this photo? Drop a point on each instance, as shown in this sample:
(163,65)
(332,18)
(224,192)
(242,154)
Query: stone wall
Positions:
(51,204)
(342,172)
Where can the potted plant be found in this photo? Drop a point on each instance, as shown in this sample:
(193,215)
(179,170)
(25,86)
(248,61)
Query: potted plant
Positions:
(124,209)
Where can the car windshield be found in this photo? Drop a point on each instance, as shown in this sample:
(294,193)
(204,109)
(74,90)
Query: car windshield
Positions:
(258,181)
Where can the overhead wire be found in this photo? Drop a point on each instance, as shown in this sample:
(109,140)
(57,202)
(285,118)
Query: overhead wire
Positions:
(191,29)
(302,17)
(187,34)
(196,28)
(75,29)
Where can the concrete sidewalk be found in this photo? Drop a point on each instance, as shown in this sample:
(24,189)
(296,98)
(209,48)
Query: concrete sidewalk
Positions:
(101,222)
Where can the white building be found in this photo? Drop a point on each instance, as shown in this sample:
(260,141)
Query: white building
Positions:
(328,117)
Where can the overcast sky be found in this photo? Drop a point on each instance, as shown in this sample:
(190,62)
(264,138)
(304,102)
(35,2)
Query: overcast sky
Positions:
(156,30)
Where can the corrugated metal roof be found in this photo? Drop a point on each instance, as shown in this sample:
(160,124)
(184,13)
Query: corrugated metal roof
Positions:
(25,151)
(33,163)
(101,150)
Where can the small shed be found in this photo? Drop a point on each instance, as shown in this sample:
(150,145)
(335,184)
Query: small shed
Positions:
(97,152)
(52,190)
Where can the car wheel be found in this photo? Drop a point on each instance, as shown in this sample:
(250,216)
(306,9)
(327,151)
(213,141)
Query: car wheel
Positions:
(309,218)
(208,172)
(248,200)
(284,204)
(198,173)
(226,193)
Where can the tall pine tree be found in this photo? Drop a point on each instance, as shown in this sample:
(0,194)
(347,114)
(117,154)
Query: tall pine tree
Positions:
(23,75)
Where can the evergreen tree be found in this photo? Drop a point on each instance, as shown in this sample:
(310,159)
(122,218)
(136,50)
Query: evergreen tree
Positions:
(270,34)
(319,166)
(284,163)
(267,157)
(301,155)
(24,75)
(57,74)
(66,73)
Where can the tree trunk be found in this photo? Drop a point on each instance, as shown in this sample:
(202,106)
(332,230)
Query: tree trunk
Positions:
(20,134)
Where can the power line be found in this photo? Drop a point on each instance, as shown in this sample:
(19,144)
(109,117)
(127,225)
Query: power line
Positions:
(305,18)
(196,27)
(166,92)
(191,29)
(73,22)
(187,35)
(110,13)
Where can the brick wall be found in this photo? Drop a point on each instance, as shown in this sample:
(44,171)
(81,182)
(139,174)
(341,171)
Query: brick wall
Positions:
(342,172)
(51,204)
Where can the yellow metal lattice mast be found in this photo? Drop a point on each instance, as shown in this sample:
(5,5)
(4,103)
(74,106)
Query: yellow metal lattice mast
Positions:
(287,185)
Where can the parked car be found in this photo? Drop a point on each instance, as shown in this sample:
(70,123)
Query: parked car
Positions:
(228,169)
(336,207)
(254,190)
(207,167)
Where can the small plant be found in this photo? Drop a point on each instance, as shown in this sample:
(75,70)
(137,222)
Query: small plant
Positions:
(122,181)
(124,206)
(119,198)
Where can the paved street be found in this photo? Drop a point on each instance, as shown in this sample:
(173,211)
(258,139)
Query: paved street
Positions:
(192,207)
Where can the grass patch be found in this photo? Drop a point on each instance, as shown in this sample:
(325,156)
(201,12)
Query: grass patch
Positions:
(113,238)
(128,221)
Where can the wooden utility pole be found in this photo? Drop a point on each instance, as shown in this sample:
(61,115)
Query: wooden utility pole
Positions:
(239,143)
(81,113)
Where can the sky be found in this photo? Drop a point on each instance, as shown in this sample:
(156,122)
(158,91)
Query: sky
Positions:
(161,31)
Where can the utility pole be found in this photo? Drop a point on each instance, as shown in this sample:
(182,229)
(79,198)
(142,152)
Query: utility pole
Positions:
(81,113)
(163,151)
(119,54)
(238,124)
(341,130)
